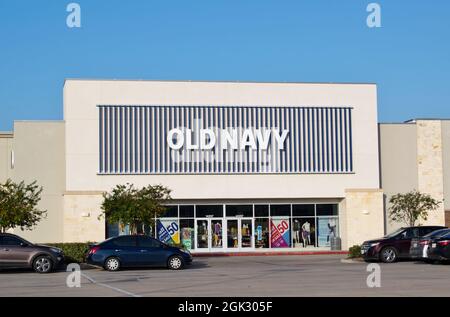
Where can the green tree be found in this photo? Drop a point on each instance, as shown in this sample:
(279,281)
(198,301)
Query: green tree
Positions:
(411,207)
(126,204)
(18,203)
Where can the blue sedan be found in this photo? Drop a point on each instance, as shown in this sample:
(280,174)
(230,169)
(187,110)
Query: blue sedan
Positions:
(136,251)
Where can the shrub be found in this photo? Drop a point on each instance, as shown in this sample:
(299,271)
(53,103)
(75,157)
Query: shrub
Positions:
(73,252)
(354,251)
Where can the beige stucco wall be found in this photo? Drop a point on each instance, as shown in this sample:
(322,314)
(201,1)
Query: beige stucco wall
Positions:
(362,218)
(445,127)
(398,163)
(39,155)
(5,155)
(82,151)
(430,166)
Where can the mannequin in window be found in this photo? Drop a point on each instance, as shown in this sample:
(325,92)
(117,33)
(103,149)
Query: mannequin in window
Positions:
(296,232)
(306,233)
(331,229)
(217,234)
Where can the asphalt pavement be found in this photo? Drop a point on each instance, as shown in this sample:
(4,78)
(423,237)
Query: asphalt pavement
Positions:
(266,276)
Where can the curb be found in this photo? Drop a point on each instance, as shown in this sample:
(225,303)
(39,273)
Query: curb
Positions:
(351,261)
(223,254)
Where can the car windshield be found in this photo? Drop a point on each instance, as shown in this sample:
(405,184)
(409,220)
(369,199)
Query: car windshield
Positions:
(396,232)
(437,233)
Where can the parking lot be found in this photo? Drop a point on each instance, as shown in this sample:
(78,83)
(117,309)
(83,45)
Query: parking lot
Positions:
(315,275)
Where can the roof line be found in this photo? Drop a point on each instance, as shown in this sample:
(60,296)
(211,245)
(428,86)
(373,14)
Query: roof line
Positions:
(219,81)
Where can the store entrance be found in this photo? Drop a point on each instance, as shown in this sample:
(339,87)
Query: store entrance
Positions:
(240,233)
(209,234)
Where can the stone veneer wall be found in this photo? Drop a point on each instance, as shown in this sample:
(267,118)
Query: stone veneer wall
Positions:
(429,166)
(81,223)
(363,217)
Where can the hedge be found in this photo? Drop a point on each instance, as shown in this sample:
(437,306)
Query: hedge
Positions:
(73,252)
(354,252)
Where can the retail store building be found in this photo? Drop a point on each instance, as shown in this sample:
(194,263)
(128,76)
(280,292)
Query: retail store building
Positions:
(252,166)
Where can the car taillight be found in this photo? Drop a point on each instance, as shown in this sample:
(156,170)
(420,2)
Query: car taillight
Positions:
(444,243)
(424,242)
(93,250)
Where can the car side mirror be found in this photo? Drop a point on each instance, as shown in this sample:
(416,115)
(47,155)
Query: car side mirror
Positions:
(22,244)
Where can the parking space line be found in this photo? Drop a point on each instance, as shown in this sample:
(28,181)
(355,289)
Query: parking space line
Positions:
(90,279)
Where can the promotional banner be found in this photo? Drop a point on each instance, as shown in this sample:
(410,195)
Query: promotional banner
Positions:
(168,231)
(327,229)
(259,233)
(280,237)
(187,237)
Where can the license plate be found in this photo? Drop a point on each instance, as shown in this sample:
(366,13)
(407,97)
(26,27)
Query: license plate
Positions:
(363,251)
(434,245)
(415,245)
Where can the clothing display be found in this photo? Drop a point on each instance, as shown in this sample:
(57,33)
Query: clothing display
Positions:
(296,232)
(306,233)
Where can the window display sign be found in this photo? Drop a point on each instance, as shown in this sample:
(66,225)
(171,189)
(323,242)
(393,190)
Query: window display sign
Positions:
(187,237)
(168,231)
(327,229)
(280,237)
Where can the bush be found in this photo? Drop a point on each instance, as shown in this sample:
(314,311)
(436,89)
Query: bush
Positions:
(73,252)
(354,251)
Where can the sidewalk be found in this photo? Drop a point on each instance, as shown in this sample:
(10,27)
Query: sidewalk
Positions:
(268,253)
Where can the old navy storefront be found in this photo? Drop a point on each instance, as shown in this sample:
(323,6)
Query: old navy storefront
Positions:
(249,227)
(252,167)
(213,140)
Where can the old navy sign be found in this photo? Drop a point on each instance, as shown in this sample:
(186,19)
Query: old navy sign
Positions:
(229,139)
(158,139)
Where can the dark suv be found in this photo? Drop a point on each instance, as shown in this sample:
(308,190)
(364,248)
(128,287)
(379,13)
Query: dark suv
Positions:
(395,245)
(16,252)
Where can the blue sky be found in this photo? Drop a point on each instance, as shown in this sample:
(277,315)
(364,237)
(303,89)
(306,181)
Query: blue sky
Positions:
(243,40)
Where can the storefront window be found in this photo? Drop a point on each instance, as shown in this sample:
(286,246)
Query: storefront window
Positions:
(186,211)
(280,210)
(261,210)
(304,232)
(239,210)
(187,233)
(171,212)
(280,232)
(202,234)
(112,230)
(303,210)
(327,228)
(209,211)
(327,209)
(200,227)
(261,232)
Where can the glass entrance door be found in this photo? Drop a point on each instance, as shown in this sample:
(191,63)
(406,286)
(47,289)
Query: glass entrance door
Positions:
(240,233)
(209,234)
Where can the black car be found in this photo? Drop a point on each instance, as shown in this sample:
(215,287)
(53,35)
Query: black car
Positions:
(440,248)
(16,252)
(396,245)
(137,251)
(420,246)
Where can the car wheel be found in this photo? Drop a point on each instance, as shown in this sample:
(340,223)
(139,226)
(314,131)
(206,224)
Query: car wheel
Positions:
(43,264)
(112,264)
(388,255)
(175,263)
